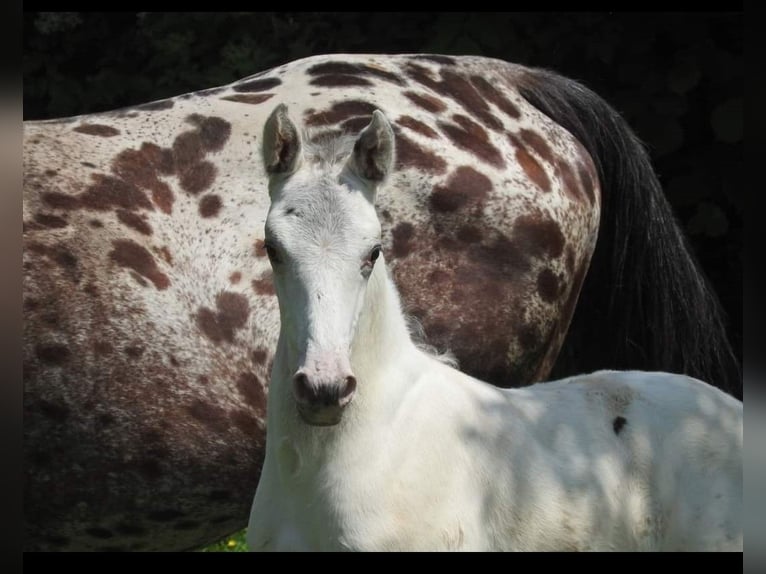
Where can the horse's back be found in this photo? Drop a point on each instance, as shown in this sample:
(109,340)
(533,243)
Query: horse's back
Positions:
(672,448)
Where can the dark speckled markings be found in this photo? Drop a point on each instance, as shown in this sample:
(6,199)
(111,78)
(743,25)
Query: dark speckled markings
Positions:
(97,130)
(150,315)
(232,310)
(343,74)
(248,98)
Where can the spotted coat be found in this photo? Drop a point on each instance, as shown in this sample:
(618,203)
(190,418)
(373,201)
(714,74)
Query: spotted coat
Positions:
(150,316)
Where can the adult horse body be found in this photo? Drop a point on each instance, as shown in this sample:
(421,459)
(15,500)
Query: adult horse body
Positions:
(150,316)
(374,445)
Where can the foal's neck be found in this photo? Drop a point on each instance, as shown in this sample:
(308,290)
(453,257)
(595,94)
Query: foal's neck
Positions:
(382,337)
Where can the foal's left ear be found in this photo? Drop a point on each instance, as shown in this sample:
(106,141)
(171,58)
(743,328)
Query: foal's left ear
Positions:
(373,156)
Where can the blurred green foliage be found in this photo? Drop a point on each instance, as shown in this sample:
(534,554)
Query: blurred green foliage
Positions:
(677,78)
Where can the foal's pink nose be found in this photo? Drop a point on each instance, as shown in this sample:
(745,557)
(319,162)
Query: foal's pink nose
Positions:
(320,399)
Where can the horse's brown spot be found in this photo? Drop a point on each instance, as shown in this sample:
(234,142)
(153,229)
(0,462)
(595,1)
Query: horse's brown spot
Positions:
(427,102)
(246,422)
(264,285)
(142,167)
(528,336)
(210,415)
(259,248)
(251,389)
(110,192)
(156,106)
(214,132)
(174,361)
(210,205)
(59,255)
(232,311)
(469,234)
(163,198)
(259,356)
(134,351)
(103,347)
(207,321)
(339,112)
(248,98)
(548,285)
(571,187)
(61,200)
(101,533)
(538,237)
(187,150)
(402,234)
(417,126)
(530,165)
(235,277)
(410,155)
(50,221)
(97,130)
(128,253)
(618,423)
(339,81)
(351,69)
(95,223)
(259,85)
(495,96)
(536,142)
(471,137)
(197,177)
(439,59)
(464,186)
(456,87)
(88,164)
(134,221)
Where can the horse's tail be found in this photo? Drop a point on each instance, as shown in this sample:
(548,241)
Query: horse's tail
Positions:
(645,303)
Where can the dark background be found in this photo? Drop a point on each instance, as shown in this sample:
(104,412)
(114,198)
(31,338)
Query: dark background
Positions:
(677,78)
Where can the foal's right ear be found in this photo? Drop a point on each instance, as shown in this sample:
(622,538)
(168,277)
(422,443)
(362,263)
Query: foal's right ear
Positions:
(281,143)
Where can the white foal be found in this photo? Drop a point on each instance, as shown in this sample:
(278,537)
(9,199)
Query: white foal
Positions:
(373,444)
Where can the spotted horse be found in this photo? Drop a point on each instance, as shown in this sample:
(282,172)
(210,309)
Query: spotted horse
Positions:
(150,319)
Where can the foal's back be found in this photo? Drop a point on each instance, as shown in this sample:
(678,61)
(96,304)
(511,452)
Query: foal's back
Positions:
(616,461)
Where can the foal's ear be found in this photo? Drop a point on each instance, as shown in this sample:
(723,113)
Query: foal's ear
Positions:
(373,156)
(281,142)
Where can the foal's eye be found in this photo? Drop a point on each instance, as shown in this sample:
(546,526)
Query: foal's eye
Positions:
(271,252)
(375,253)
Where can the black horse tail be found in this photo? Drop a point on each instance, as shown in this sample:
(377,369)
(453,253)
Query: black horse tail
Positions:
(645,303)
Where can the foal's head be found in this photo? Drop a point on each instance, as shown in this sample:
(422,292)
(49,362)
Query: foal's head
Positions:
(323,239)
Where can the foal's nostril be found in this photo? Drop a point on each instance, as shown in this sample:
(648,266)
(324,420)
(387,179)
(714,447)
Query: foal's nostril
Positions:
(348,390)
(302,388)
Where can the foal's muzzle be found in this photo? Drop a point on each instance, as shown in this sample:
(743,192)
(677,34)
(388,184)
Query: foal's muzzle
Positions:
(321,403)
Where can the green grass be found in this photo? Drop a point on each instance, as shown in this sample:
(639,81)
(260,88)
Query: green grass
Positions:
(233,543)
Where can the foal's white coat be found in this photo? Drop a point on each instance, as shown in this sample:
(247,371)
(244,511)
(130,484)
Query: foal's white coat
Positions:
(427,458)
